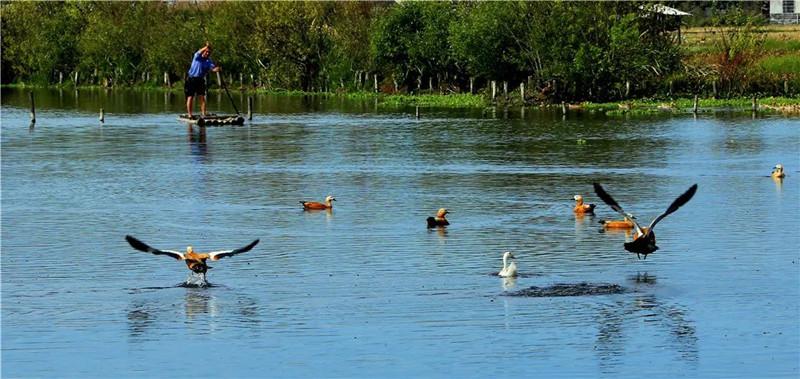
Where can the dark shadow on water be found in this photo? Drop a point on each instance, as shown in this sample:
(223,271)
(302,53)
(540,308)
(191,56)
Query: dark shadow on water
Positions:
(570,289)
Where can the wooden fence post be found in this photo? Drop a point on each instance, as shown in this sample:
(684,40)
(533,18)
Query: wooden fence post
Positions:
(417,112)
(522,91)
(494,89)
(33,108)
(250,108)
(628,88)
(505,88)
(471,83)
(694,110)
(60,77)
(102,115)
(755,104)
(375,81)
(563,108)
(76,77)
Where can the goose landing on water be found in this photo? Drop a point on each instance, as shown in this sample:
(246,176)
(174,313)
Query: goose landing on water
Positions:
(311,205)
(644,242)
(194,261)
(509,269)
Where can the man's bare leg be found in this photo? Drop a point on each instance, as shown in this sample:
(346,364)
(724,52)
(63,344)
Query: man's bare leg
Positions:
(189,101)
(202,105)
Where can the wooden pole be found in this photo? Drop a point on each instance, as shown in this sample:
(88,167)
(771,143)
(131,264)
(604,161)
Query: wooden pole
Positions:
(563,108)
(60,77)
(494,89)
(375,81)
(33,108)
(522,92)
(471,83)
(714,88)
(755,104)
(694,110)
(505,88)
(785,86)
(417,112)
(430,83)
(76,77)
(627,88)
(250,108)
(102,115)
(219,79)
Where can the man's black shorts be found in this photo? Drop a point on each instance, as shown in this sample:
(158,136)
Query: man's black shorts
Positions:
(194,86)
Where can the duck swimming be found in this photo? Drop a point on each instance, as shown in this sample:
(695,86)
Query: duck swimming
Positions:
(581,208)
(328,204)
(509,269)
(644,241)
(439,220)
(777,172)
(196,262)
(617,224)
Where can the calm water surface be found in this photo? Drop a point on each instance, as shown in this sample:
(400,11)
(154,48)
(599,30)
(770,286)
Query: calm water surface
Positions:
(367,290)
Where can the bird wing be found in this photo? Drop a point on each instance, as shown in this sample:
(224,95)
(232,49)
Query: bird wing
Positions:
(603,195)
(217,255)
(679,202)
(141,246)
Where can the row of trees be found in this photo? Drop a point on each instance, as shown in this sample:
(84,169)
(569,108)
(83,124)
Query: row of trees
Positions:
(561,50)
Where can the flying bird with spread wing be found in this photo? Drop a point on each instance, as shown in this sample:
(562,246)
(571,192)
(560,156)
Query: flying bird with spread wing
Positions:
(196,262)
(644,242)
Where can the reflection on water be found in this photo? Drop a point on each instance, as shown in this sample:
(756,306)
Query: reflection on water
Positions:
(509,283)
(667,324)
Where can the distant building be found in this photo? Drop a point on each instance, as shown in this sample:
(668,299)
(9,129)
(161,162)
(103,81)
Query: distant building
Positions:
(784,12)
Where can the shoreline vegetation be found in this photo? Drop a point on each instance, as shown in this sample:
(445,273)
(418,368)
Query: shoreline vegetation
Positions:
(616,58)
(633,107)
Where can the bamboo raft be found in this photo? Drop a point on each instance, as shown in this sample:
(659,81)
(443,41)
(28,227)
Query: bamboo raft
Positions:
(212,120)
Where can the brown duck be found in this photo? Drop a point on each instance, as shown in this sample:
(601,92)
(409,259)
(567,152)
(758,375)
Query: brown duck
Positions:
(194,261)
(313,205)
(644,241)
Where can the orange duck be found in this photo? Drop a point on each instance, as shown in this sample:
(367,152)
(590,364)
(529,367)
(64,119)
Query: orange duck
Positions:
(777,172)
(312,205)
(644,241)
(617,224)
(581,208)
(194,261)
(439,220)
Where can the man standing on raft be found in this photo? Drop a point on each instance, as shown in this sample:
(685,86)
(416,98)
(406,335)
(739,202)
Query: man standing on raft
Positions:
(196,83)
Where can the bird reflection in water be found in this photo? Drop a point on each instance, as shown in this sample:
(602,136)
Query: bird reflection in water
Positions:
(778,183)
(206,310)
(200,302)
(581,221)
(139,319)
(198,147)
(668,319)
(509,282)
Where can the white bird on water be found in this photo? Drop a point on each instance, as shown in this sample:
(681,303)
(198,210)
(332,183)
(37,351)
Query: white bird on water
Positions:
(509,269)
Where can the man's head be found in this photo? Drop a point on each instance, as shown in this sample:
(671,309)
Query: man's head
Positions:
(206,52)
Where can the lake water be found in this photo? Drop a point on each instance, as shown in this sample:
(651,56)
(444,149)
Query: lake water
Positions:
(367,290)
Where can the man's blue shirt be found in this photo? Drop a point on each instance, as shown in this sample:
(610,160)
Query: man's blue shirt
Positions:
(200,66)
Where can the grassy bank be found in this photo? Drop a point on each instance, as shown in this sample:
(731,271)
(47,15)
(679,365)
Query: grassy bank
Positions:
(627,107)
